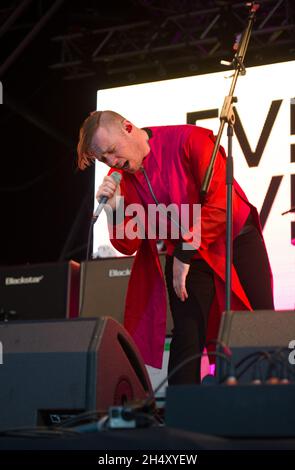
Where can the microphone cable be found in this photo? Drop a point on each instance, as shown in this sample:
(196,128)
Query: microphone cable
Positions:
(116,176)
(83,286)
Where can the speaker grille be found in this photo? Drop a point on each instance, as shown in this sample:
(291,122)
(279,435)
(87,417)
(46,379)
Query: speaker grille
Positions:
(258,328)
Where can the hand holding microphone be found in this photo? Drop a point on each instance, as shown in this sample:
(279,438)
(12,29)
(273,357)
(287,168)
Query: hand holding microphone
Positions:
(107,192)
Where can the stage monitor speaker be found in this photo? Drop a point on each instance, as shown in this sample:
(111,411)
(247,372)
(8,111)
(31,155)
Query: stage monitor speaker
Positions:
(105,288)
(39,291)
(53,370)
(249,333)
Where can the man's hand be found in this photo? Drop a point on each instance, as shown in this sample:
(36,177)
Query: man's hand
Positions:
(110,189)
(180,271)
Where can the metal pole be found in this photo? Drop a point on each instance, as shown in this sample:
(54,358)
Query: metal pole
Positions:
(13,17)
(9,61)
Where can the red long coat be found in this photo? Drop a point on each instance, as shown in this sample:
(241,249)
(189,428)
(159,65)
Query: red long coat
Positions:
(176,166)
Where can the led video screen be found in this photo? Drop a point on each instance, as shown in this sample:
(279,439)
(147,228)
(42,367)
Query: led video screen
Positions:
(263,146)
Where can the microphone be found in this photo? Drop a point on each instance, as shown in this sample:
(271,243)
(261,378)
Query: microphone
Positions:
(103,199)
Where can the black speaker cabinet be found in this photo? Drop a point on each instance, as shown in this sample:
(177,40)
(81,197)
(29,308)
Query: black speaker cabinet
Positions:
(105,288)
(234,411)
(55,369)
(39,291)
(248,334)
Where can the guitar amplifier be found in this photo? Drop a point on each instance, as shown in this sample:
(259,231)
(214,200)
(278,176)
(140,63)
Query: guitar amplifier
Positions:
(105,288)
(39,291)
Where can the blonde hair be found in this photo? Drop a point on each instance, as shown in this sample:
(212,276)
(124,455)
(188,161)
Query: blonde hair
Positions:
(84,148)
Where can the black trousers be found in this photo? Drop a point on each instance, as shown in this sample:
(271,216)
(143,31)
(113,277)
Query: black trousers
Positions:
(191,317)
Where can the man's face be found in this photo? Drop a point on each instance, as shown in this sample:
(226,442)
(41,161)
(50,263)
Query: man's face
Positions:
(120,145)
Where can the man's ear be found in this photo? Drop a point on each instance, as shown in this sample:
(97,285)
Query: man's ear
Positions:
(128,126)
